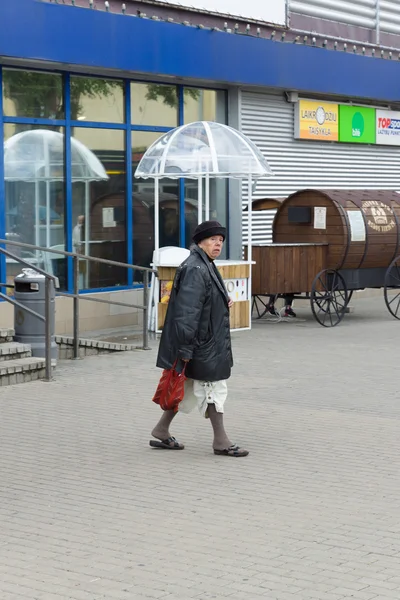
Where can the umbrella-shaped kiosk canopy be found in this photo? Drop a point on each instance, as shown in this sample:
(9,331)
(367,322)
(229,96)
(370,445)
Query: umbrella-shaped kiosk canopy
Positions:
(36,157)
(202,150)
(39,155)
(205,150)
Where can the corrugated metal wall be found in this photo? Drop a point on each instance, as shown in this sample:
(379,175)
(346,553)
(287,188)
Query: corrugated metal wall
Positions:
(269,121)
(364,13)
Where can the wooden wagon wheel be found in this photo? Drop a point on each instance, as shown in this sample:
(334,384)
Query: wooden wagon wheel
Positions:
(329,298)
(392,282)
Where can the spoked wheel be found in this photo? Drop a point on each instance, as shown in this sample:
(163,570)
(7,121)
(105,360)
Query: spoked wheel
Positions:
(392,288)
(259,307)
(329,298)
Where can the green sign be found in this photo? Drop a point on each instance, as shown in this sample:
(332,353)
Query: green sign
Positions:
(357,124)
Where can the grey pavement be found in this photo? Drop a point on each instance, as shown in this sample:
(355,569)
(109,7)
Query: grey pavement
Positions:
(89,511)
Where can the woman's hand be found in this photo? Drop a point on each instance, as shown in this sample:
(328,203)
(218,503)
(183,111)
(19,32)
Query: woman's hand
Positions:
(230,303)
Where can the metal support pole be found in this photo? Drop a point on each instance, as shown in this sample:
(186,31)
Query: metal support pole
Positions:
(207,212)
(250,240)
(156,221)
(76,307)
(378,21)
(47,329)
(200,201)
(145,311)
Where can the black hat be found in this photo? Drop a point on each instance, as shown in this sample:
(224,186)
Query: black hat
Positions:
(208,229)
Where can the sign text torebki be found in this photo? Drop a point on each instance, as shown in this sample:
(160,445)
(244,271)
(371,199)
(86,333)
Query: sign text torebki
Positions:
(388,127)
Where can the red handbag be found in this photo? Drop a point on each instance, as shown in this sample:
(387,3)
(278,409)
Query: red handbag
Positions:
(170,389)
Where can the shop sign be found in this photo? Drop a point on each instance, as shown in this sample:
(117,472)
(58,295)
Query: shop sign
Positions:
(388,127)
(357,124)
(266,12)
(316,121)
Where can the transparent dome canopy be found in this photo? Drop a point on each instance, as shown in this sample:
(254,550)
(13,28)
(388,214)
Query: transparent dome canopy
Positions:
(203,148)
(38,154)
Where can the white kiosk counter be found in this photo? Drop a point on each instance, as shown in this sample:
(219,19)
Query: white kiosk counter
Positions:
(235,273)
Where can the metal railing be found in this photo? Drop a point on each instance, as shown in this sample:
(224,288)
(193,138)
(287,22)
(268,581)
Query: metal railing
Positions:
(75,295)
(46,318)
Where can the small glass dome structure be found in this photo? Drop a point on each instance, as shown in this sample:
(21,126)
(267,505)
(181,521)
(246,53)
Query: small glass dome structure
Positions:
(38,154)
(201,149)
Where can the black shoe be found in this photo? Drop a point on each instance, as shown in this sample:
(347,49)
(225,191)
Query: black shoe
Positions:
(289,312)
(272,310)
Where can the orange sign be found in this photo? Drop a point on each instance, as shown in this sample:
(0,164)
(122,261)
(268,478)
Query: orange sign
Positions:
(317,121)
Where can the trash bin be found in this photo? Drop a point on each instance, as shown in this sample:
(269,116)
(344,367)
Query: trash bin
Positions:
(30,291)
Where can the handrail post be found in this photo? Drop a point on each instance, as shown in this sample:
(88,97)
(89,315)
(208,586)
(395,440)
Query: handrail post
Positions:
(47,328)
(76,307)
(145,311)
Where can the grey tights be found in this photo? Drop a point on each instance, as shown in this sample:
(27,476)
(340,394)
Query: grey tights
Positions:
(221,440)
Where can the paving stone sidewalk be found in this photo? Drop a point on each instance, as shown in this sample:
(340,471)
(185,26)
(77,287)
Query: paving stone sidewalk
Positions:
(89,511)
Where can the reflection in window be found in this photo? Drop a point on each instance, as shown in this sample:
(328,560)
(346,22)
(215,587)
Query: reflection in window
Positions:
(34,186)
(154,104)
(143,207)
(204,105)
(218,203)
(95,99)
(98,207)
(32,94)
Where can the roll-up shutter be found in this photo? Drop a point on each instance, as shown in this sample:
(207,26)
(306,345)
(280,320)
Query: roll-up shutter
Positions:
(269,121)
(362,13)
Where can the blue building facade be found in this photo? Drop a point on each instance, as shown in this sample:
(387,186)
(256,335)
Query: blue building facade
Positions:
(85,92)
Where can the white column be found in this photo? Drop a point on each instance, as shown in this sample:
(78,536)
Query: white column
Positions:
(200,201)
(250,239)
(156,219)
(207,212)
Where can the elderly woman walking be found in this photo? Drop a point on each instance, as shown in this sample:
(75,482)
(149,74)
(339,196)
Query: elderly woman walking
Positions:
(197,332)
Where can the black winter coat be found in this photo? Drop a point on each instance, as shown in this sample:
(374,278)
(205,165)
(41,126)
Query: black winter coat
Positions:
(197,322)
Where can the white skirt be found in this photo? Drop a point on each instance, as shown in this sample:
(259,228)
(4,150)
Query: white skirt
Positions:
(202,393)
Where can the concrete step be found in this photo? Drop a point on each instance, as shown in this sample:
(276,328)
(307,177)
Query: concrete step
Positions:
(6,335)
(14,350)
(21,370)
(88,347)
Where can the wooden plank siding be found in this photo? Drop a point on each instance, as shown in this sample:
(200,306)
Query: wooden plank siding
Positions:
(287,268)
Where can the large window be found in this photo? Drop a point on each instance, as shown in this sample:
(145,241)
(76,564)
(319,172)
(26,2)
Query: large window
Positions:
(94,99)
(98,207)
(34,168)
(153,104)
(143,207)
(204,105)
(80,194)
(33,94)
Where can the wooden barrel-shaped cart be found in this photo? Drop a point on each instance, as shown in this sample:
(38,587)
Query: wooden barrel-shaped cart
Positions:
(328,243)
